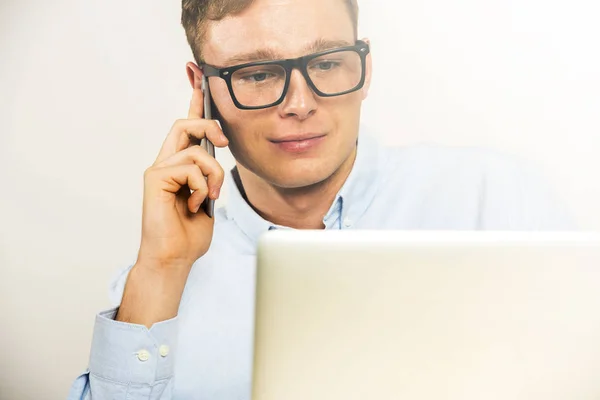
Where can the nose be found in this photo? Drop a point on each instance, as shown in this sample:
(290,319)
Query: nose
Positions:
(300,100)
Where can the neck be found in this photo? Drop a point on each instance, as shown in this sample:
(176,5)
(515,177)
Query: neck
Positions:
(299,208)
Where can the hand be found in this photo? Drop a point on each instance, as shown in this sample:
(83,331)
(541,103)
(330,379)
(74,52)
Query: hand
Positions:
(175,230)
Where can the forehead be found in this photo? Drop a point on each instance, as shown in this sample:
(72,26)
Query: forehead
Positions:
(282,27)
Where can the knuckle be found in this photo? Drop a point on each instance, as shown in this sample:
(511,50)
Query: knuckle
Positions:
(201,189)
(196,172)
(220,173)
(216,128)
(195,153)
(178,124)
(149,172)
(192,170)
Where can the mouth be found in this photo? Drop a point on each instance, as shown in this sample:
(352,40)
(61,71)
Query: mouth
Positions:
(298,143)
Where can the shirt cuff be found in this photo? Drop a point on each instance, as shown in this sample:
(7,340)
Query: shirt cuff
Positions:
(131,353)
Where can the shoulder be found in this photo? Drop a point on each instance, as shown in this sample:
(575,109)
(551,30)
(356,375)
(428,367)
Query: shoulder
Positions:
(445,160)
(462,168)
(507,191)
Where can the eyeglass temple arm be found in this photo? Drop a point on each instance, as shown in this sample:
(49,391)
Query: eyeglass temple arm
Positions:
(209,70)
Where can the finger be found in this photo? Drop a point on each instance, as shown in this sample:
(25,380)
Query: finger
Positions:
(193,130)
(172,179)
(184,131)
(195,201)
(209,167)
(196,104)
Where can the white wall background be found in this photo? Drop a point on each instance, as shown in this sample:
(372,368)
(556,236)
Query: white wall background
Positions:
(88,91)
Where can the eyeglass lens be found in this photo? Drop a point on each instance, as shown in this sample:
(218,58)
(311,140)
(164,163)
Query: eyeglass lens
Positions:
(333,73)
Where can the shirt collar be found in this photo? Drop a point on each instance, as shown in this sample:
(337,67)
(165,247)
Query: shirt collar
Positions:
(349,205)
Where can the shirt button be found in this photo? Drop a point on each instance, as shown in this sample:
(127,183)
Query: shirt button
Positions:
(143,355)
(347,222)
(163,350)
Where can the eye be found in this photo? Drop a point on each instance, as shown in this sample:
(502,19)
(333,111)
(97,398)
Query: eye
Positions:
(325,65)
(257,77)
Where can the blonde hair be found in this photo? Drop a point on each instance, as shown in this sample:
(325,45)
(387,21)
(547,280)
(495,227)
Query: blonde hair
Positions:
(195,14)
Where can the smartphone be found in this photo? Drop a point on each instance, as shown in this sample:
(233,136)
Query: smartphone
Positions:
(209,204)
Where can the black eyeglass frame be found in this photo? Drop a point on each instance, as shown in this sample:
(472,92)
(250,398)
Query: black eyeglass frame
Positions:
(300,63)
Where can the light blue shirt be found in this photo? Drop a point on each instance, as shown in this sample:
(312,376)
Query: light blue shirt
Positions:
(206,351)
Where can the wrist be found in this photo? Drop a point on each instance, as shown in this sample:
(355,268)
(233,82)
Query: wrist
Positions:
(152,294)
(159,266)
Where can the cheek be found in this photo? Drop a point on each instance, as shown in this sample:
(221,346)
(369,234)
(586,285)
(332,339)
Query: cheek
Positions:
(244,129)
(345,113)
(226,112)
(238,125)
(222,99)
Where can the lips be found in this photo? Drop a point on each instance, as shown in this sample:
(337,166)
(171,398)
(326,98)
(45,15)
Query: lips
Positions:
(298,143)
(297,138)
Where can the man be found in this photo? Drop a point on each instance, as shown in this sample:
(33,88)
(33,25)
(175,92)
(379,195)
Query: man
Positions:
(184,326)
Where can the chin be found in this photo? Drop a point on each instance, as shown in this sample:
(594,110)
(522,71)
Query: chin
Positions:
(295,183)
(299,176)
(297,171)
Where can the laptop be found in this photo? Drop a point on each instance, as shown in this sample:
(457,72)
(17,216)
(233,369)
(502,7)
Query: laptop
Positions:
(349,315)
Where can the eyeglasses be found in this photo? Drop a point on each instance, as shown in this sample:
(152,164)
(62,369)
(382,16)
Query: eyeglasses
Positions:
(264,84)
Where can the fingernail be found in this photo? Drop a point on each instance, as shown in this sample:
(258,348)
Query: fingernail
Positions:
(216,193)
(197,208)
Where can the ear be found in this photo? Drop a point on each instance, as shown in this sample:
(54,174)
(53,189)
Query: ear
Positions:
(194,74)
(368,71)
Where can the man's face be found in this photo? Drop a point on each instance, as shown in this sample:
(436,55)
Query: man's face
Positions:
(287,29)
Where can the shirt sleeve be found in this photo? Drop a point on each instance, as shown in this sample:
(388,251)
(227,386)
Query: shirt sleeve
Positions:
(128,361)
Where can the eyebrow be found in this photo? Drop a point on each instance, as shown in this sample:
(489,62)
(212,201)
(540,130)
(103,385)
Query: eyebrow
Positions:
(270,54)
